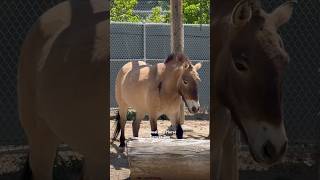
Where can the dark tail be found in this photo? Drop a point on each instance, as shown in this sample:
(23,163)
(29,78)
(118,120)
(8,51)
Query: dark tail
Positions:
(117,130)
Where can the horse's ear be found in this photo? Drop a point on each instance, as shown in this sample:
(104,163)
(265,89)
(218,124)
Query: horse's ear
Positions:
(198,66)
(282,14)
(241,13)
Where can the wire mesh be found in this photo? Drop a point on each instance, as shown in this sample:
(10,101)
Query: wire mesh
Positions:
(302,84)
(151,43)
(16,18)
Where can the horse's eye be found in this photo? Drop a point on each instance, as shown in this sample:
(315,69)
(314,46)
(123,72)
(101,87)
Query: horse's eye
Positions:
(240,66)
(241,62)
(185,82)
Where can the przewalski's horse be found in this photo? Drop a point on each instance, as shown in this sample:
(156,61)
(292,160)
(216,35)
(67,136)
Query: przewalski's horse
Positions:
(156,90)
(62,86)
(249,62)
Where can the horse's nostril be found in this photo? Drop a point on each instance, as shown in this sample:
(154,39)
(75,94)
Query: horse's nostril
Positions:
(194,109)
(269,151)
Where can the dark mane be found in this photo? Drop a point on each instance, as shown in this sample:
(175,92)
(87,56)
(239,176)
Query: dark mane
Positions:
(178,56)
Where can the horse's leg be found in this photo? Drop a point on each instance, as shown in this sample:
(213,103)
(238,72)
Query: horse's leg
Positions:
(230,167)
(153,124)
(136,123)
(123,118)
(178,120)
(221,125)
(43,145)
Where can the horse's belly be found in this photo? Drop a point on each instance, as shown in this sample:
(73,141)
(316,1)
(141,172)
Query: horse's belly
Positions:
(171,109)
(135,99)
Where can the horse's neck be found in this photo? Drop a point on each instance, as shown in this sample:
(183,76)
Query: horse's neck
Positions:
(169,82)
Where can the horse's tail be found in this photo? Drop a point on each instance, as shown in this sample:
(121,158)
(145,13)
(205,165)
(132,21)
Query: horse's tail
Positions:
(117,129)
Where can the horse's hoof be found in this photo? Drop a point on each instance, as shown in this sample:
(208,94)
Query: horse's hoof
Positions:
(179,132)
(154,134)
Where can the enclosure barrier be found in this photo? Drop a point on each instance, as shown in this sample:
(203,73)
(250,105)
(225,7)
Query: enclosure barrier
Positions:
(162,158)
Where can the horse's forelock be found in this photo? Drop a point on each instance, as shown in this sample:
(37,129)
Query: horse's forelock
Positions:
(169,58)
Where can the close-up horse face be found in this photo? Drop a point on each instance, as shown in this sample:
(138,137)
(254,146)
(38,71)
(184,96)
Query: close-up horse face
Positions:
(255,78)
(188,86)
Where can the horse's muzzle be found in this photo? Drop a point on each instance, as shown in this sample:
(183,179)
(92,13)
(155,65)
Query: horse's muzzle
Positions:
(193,106)
(195,109)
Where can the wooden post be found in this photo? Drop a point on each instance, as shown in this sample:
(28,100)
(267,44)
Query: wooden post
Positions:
(177,36)
(159,158)
(177,31)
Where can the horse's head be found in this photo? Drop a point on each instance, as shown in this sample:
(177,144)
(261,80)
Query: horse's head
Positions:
(188,79)
(254,64)
(188,86)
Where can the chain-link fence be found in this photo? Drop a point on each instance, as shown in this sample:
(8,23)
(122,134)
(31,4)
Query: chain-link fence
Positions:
(16,18)
(151,43)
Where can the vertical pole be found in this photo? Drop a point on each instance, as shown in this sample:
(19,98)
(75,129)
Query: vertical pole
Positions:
(177,31)
(144,43)
(177,37)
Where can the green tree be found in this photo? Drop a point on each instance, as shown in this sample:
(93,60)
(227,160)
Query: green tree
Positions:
(122,11)
(196,11)
(157,16)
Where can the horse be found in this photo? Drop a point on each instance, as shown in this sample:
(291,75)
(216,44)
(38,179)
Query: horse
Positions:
(249,61)
(62,86)
(156,90)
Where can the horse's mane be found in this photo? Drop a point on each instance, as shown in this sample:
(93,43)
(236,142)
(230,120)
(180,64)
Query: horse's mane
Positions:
(178,56)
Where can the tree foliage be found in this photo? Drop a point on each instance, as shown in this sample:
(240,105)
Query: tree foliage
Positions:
(157,16)
(194,12)
(122,11)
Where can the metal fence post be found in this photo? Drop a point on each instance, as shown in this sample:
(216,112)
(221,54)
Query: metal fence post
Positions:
(144,42)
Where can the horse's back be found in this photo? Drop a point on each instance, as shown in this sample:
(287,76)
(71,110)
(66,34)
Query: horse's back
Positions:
(130,82)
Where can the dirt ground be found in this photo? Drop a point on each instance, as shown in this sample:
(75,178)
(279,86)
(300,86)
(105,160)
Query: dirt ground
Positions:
(295,166)
(119,167)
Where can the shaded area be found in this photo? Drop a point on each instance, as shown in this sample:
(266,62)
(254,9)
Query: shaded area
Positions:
(118,158)
(284,171)
(68,166)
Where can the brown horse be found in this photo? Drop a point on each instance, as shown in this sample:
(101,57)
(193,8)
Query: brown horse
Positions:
(249,62)
(62,86)
(156,90)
